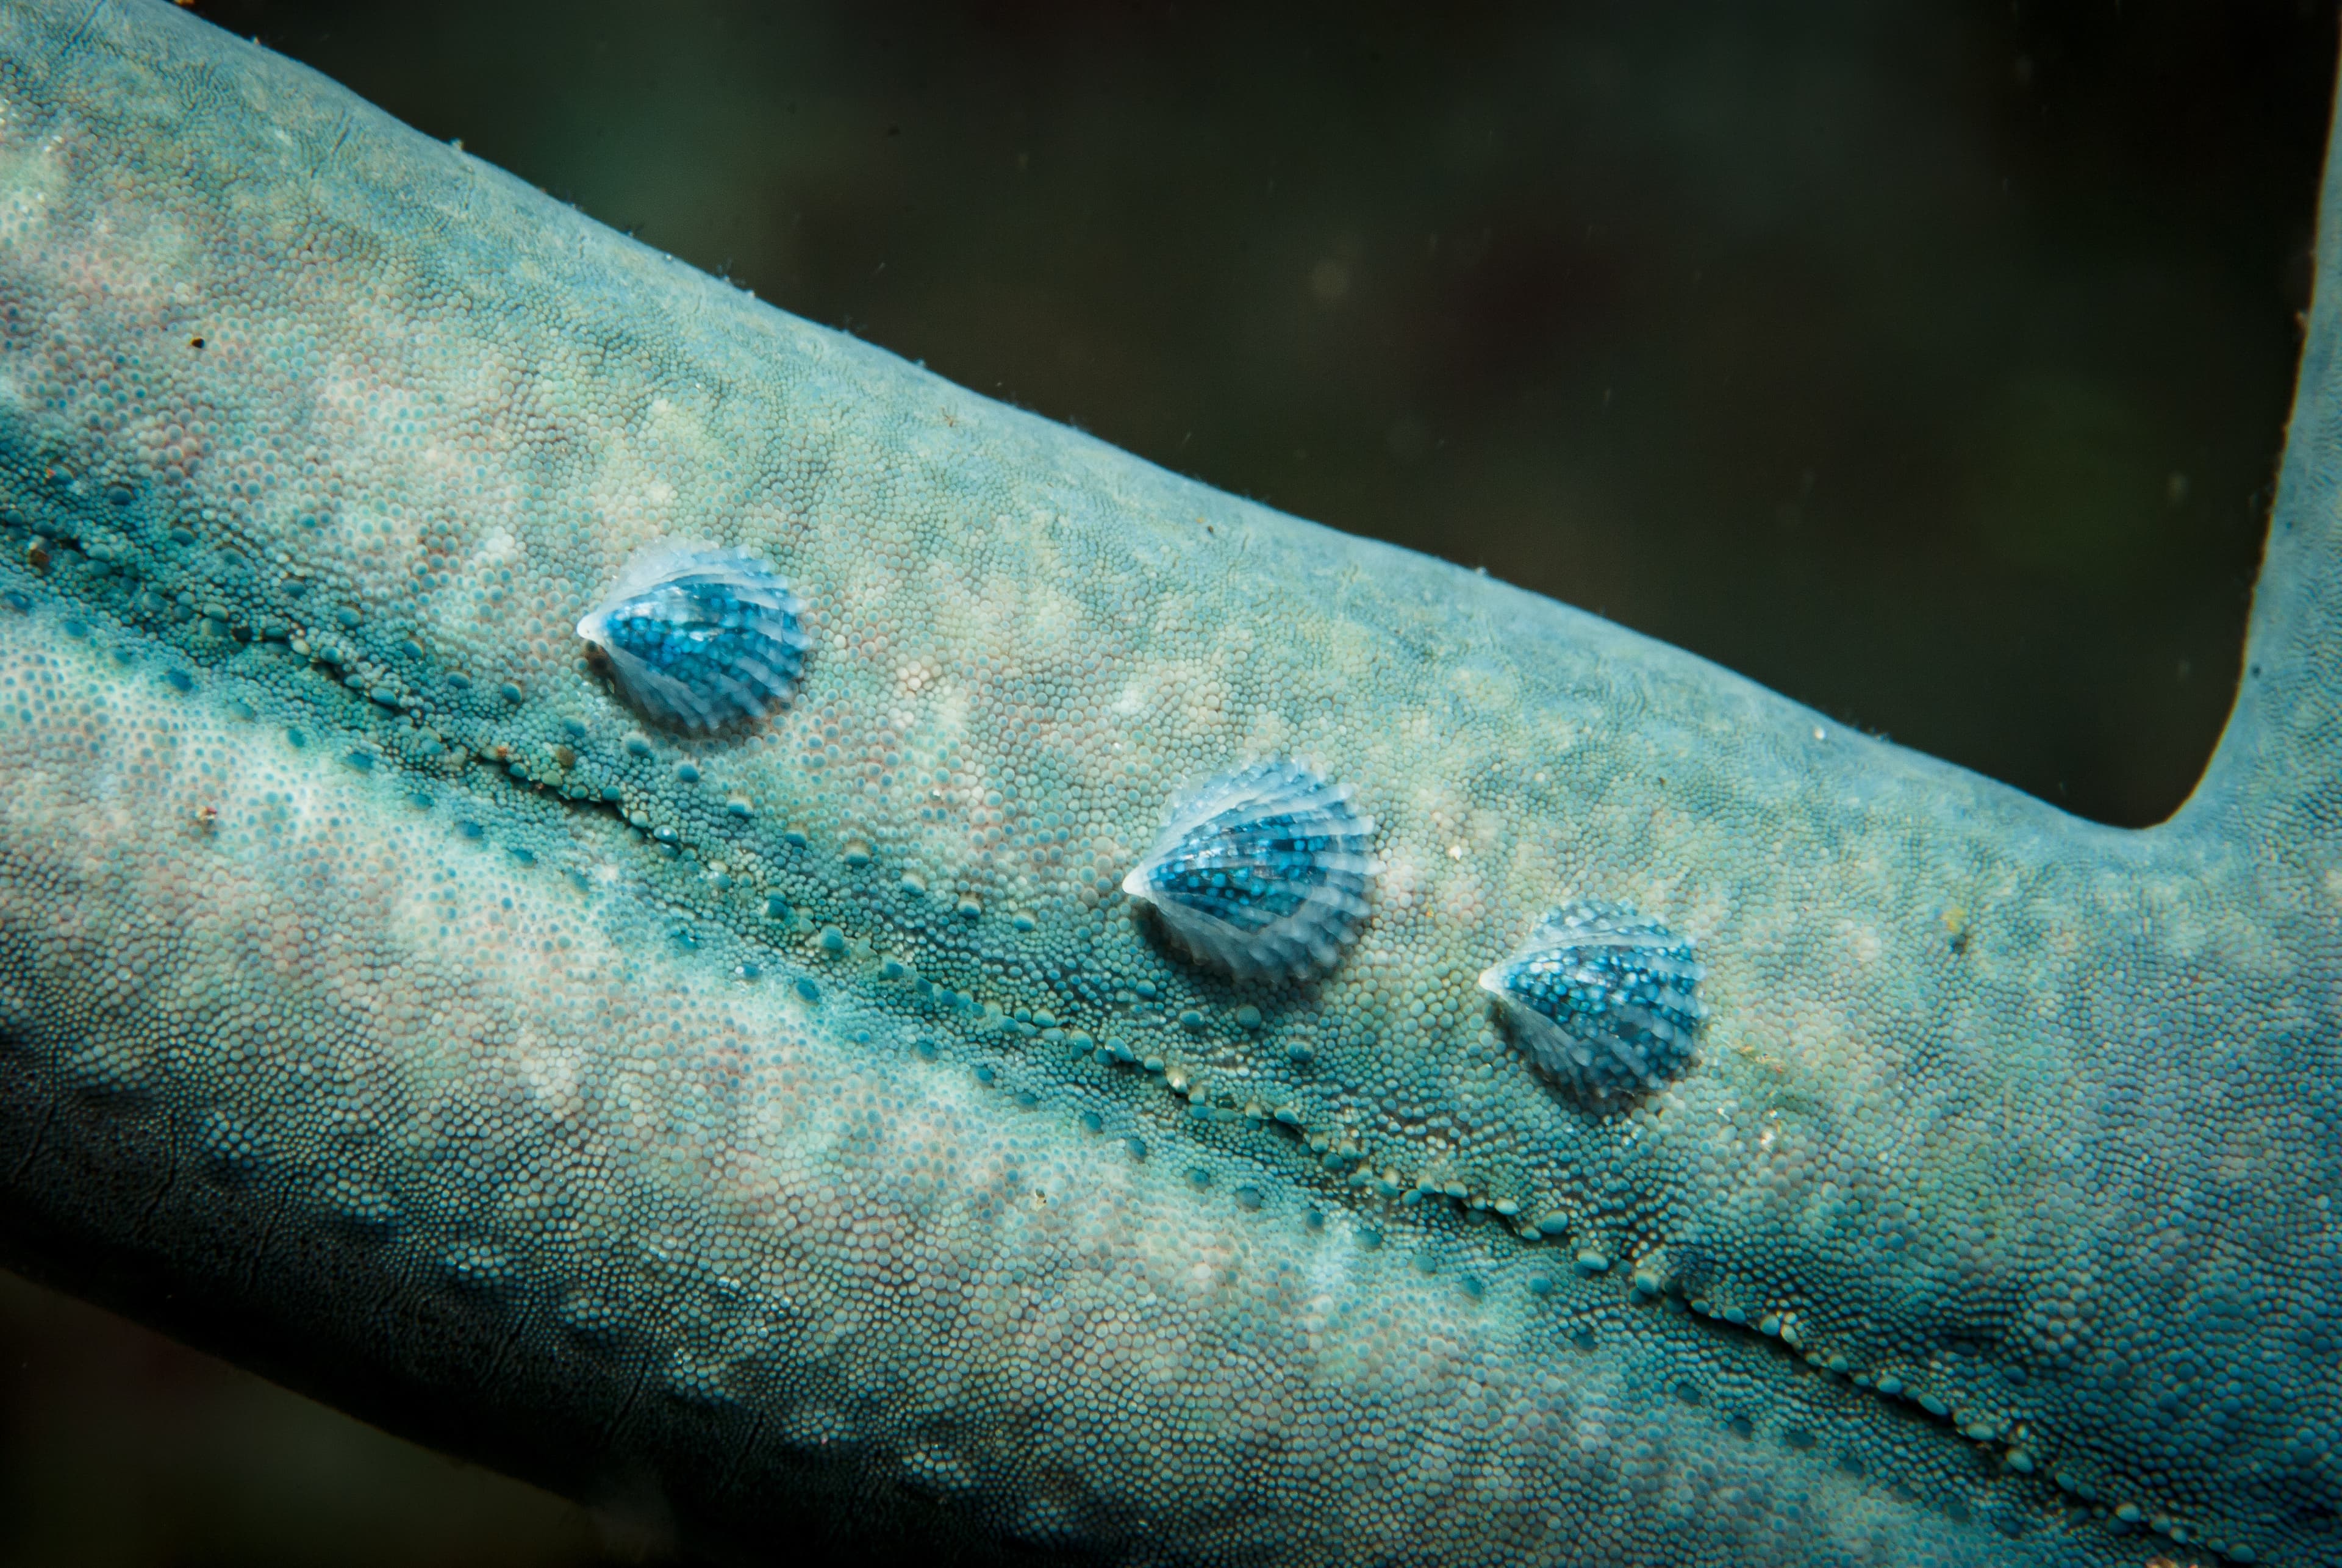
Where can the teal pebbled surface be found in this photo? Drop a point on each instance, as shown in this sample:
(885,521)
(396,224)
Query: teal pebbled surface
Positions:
(805,1117)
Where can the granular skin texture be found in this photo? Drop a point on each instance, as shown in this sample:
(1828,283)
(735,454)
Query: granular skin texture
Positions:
(797,1126)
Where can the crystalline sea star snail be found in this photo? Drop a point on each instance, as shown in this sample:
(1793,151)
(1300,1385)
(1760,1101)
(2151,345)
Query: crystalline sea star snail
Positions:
(1604,999)
(1262,870)
(790,1113)
(699,637)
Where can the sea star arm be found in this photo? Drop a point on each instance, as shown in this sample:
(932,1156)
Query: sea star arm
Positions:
(802,1114)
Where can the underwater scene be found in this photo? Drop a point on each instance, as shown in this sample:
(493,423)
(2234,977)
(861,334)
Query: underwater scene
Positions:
(739,938)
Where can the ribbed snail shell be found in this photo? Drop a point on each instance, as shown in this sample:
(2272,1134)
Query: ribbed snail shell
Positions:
(1604,999)
(700,636)
(1262,872)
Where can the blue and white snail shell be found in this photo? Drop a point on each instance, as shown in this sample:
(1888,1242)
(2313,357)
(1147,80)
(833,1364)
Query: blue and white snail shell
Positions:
(700,636)
(1263,871)
(1607,1001)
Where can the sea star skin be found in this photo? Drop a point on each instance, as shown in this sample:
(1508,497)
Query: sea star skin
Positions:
(803,1114)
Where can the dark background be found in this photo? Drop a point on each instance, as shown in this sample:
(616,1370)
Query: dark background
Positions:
(1927,363)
